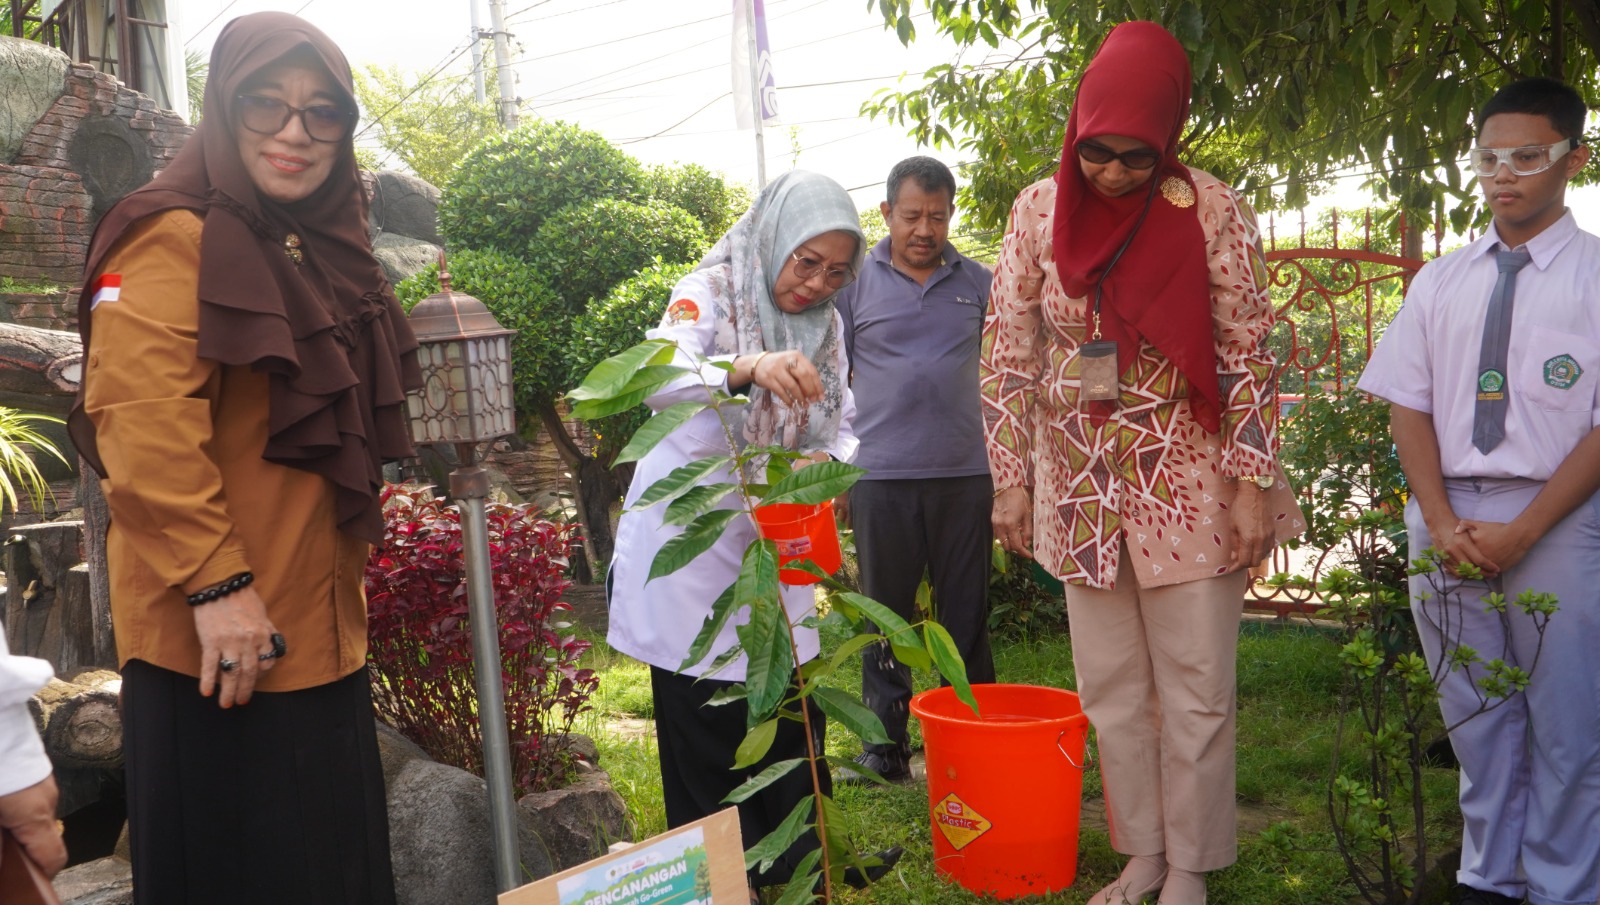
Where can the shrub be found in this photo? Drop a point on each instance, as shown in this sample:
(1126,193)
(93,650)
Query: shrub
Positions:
(619,321)
(505,189)
(419,646)
(589,247)
(704,194)
(520,300)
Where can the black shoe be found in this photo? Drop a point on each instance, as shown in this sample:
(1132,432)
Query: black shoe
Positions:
(887,859)
(895,768)
(1467,895)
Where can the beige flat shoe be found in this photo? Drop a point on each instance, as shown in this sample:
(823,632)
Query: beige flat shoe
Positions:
(1183,887)
(1141,878)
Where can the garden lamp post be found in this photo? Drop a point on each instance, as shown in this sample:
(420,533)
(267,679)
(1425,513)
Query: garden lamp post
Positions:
(465,400)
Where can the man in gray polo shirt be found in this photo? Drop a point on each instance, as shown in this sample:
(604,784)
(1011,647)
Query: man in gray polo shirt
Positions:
(913,322)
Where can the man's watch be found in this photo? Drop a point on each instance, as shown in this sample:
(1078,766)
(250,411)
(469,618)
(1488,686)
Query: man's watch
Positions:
(1264,481)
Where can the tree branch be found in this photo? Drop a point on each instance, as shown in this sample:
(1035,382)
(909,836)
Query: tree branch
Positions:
(566,447)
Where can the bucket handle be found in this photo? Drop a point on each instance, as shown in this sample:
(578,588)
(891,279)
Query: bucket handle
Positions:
(1086,760)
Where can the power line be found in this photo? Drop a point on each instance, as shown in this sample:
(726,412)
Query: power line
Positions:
(231,4)
(421,83)
(697,112)
(646,34)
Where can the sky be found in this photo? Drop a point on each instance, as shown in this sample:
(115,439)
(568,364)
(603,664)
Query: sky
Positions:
(653,76)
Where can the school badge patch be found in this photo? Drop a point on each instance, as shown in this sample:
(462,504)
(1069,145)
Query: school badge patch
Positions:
(1562,372)
(1491,386)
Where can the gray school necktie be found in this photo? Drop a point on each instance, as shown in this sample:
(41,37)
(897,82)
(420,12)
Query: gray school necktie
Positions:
(1489,420)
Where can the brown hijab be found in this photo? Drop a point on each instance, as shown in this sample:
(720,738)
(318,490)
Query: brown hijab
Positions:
(326,329)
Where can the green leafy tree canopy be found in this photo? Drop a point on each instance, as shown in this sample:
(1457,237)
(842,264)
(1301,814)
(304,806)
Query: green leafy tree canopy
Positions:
(586,248)
(428,123)
(1288,93)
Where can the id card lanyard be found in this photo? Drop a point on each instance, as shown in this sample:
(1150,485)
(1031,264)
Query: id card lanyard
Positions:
(1097,359)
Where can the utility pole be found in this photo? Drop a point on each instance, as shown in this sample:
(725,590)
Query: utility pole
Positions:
(502,62)
(477,54)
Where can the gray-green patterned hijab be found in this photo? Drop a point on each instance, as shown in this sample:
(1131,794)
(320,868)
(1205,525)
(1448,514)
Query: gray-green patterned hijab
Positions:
(743,267)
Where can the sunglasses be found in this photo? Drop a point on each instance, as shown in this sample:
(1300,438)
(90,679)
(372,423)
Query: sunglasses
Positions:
(1137,159)
(1525,161)
(326,123)
(806,267)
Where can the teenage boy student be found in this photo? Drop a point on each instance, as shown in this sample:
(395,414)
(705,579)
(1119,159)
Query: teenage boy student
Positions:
(1491,368)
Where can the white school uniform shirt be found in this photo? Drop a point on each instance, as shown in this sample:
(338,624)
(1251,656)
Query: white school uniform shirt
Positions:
(1428,357)
(22,759)
(657,622)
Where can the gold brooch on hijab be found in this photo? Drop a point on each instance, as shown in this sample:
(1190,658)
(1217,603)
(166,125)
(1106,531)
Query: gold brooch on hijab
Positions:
(1178,192)
(291,247)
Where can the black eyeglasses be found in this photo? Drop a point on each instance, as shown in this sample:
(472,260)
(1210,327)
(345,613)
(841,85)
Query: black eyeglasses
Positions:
(806,267)
(326,123)
(1137,159)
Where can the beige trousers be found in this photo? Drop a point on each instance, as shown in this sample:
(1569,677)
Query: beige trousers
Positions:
(1156,676)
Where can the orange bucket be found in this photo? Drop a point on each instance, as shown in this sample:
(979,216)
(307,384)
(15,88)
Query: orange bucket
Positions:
(801,532)
(1004,788)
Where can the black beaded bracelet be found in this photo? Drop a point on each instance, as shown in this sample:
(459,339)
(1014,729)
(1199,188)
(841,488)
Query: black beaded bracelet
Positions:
(217,592)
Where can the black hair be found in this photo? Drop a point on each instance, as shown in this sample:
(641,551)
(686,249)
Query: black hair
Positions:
(1554,100)
(930,174)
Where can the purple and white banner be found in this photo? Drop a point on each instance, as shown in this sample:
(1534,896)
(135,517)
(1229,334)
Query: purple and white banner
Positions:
(744,75)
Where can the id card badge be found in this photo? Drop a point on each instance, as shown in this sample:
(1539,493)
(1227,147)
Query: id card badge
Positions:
(1097,371)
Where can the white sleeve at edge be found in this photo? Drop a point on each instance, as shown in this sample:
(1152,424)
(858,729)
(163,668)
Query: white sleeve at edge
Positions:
(22,759)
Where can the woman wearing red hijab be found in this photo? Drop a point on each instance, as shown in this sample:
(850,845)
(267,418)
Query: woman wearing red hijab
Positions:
(1131,417)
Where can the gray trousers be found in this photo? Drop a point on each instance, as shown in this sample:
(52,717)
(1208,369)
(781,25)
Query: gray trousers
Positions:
(1530,767)
(904,527)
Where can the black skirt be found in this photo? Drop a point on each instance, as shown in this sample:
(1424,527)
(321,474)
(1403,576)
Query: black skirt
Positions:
(280,800)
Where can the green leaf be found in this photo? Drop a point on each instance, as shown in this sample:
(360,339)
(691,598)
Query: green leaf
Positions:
(849,648)
(902,637)
(847,766)
(765,638)
(608,378)
(834,830)
(710,628)
(731,694)
(697,502)
(760,857)
(757,742)
(646,381)
(657,428)
(680,481)
(851,713)
(816,483)
(763,779)
(778,468)
(802,886)
(696,539)
(948,659)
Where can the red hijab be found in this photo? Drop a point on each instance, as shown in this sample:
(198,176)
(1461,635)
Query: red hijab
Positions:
(1137,86)
(326,329)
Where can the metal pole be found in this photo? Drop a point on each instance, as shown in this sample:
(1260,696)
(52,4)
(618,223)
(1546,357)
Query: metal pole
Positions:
(478,88)
(502,62)
(755,95)
(470,484)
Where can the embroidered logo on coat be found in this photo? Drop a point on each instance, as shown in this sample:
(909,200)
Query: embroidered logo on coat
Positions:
(1562,372)
(683,311)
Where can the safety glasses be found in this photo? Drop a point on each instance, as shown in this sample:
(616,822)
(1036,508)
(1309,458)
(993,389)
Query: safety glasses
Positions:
(1525,161)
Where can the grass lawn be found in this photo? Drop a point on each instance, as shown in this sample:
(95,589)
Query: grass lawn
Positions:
(1288,696)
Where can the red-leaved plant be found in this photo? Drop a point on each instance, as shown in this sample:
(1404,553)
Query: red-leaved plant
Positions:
(419,648)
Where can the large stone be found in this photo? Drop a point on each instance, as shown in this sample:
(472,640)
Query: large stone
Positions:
(406,205)
(112,157)
(35,76)
(402,256)
(108,881)
(395,751)
(579,822)
(441,841)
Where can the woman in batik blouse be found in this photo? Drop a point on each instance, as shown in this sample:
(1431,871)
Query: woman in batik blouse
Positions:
(1131,418)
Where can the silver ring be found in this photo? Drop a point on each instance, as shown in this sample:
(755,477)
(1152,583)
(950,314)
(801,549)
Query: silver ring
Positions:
(227,665)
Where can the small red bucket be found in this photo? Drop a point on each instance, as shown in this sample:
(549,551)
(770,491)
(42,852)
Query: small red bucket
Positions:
(801,532)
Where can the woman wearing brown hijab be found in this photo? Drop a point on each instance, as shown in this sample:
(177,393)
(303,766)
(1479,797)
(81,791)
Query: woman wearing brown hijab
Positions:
(247,367)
